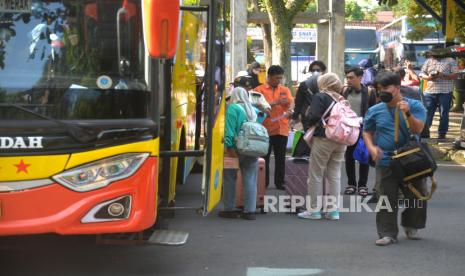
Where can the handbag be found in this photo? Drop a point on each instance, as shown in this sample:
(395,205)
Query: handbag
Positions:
(413,161)
(300,149)
(361,153)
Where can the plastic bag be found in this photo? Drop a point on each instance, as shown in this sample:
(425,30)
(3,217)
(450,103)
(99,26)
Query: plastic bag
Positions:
(361,152)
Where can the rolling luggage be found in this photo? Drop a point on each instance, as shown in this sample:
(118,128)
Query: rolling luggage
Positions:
(260,187)
(296,178)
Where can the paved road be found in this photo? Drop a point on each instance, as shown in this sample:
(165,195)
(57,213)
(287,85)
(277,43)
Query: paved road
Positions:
(274,244)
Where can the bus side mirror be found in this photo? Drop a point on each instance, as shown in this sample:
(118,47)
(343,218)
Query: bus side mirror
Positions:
(161,24)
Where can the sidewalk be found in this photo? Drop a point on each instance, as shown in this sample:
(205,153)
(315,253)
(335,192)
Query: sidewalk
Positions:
(444,150)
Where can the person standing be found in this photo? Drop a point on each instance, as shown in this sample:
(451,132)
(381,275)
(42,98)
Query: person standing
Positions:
(244,80)
(378,133)
(369,72)
(306,90)
(360,99)
(327,155)
(253,72)
(239,111)
(440,74)
(280,99)
(410,78)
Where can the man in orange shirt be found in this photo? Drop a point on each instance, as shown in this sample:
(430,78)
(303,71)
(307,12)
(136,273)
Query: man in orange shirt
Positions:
(277,123)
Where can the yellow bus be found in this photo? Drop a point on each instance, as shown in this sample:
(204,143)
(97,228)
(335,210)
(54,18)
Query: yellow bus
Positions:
(104,107)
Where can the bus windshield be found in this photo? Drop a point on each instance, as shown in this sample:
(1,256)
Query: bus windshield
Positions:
(72,60)
(361,39)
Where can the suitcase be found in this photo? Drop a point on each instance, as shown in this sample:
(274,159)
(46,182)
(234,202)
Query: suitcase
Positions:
(296,176)
(260,187)
(296,179)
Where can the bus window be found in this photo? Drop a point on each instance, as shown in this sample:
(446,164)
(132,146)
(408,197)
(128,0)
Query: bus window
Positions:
(361,39)
(61,60)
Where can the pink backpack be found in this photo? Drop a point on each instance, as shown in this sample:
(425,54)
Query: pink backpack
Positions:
(343,124)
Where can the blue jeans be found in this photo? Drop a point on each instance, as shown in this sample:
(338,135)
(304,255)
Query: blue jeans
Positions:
(432,102)
(249,168)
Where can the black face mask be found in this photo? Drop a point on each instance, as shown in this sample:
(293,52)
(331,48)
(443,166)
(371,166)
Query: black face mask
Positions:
(385,96)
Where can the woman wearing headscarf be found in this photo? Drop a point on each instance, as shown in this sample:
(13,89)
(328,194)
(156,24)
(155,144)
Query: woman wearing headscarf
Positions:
(327,156)
(239,111)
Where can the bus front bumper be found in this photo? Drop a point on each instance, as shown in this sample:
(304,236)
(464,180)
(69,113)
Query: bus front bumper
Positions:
(57,209)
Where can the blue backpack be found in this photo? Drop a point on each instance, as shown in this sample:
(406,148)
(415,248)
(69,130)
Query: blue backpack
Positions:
(253,139)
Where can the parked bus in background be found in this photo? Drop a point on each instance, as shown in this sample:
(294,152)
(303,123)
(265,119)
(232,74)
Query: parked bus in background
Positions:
(101,112)
(361,43)
(396,47)
(303,48)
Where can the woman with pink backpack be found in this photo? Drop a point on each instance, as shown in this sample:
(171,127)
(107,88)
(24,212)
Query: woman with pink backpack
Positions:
(327,154)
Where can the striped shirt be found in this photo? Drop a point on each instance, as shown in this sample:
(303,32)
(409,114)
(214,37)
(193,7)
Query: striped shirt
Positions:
(445,66)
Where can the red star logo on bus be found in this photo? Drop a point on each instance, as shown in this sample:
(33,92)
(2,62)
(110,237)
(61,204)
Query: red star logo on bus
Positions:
(22,167)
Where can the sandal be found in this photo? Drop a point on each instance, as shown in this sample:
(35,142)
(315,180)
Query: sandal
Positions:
(363,191)
(350,190)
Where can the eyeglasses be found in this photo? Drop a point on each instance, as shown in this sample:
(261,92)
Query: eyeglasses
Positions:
(316,70)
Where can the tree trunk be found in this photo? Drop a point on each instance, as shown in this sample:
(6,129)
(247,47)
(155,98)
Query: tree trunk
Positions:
(282,35)
(267,44)
(281,14)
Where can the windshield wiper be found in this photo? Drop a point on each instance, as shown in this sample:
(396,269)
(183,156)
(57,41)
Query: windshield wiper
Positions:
(78,133)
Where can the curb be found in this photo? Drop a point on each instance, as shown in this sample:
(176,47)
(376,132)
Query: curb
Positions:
(447,152)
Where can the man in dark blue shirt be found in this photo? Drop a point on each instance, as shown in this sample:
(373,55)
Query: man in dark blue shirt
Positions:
(378,132)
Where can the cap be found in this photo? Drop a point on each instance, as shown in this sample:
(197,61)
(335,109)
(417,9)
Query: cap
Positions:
(242,79)
(242,74)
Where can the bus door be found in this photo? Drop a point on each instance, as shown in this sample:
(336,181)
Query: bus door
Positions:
(212,102)
(215,107)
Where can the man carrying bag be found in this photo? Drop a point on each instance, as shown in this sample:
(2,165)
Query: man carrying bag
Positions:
(379,134)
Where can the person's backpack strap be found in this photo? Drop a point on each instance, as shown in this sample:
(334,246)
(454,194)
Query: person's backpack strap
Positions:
(308,83)
(247,117)
(327,111)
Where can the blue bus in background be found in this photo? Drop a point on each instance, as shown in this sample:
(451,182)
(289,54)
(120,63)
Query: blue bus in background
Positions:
(361,43)
(303,49)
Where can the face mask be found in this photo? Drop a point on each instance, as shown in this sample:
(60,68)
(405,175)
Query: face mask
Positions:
(316,73)
(385,96)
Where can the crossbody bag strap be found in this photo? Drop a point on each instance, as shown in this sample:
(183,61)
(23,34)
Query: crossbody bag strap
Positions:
(396,118)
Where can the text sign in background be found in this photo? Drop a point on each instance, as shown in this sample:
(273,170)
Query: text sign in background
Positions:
(15,5)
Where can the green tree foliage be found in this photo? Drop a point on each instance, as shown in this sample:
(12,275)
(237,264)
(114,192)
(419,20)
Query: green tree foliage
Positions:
(353,11)
(415,13)
(282,14)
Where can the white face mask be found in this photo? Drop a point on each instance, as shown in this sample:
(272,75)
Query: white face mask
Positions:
(316,73)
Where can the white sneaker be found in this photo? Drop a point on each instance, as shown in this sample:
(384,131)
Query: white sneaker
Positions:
(411,233)
(334,215)
(309,215)
(385,241)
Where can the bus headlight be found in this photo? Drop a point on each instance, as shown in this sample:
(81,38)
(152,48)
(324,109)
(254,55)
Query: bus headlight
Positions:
(101,173)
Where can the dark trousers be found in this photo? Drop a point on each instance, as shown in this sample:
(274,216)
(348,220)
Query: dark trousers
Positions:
(350,169)
(278,146)
(443,102)
(414,215)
